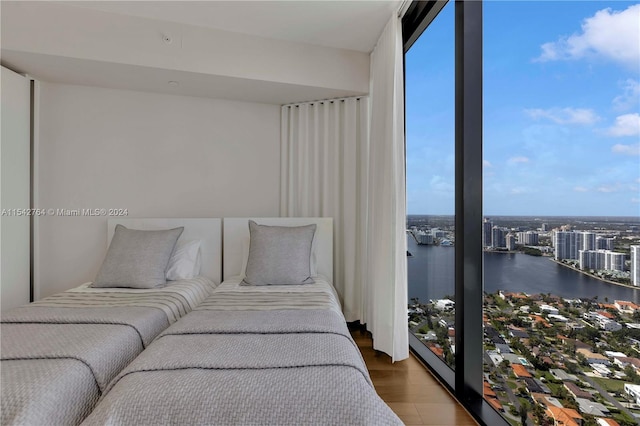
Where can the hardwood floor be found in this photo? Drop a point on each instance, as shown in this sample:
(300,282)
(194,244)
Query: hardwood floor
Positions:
(410,389)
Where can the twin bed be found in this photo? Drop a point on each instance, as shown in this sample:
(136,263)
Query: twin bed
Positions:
(241,353)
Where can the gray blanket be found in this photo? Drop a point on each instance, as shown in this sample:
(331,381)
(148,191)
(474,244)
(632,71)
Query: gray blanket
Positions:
(145,322)
(59,354)
(290,367)
(53,374)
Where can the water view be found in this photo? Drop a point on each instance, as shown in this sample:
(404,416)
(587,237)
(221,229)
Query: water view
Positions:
(513,272)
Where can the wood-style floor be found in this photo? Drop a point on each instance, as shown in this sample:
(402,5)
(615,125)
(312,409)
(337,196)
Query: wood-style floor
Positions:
(410,389)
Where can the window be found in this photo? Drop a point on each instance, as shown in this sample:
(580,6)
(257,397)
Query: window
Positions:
(462,34)
(430,147)
(544,212)
(559,173)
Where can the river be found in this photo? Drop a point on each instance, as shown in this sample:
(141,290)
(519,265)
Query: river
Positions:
(431,276)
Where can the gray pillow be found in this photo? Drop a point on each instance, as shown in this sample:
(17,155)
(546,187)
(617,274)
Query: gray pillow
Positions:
(279,255)
(137,259)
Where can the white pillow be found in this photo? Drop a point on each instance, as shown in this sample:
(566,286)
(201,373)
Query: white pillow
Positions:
(184,263)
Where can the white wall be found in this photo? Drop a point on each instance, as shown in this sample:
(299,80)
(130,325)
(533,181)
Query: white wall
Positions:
(15,189)
(155,155)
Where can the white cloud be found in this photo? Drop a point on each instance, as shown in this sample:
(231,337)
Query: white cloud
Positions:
(486,163)
(565,115)
(626,125)
(516,160)
(610,34)
(609,188)
(635,200)
(630,97)
(580,189)
(626,149)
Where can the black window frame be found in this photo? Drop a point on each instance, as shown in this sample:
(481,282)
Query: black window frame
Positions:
(466,382)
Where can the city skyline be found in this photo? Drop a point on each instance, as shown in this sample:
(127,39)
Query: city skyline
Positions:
(561,111)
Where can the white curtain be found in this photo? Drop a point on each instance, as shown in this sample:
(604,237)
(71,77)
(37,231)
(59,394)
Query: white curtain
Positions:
(345,159)
(386,317)
(324,156)
(386,296)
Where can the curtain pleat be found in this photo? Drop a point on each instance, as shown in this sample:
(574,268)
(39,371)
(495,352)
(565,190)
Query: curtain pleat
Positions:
(322,146)
(345,159)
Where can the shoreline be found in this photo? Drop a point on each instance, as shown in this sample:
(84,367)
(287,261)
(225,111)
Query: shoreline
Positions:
(593,276)
(514,252)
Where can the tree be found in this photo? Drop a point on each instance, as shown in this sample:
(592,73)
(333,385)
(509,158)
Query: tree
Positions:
(539,414)
(582,360)
(449,357)
(524,412)
(632,375)
(572,368)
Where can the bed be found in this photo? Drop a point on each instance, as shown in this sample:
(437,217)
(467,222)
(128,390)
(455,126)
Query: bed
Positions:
(58,354)
(253,354)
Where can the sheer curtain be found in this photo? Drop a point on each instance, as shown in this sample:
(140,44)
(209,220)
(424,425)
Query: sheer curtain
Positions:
(324,156)
(345,159)
(386,296)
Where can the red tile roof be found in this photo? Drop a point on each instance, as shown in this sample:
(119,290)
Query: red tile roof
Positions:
(437,350)
(520,371)
(606,314)
(495,404)
(564,416)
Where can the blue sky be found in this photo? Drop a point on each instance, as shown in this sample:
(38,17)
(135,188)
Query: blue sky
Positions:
(561,110)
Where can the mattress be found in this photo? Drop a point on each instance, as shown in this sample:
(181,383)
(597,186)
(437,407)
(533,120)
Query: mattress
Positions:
(275,355)
(59,354)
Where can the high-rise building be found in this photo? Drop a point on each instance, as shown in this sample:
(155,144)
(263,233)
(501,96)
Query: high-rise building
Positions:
(565,244)
(529,238)
(498,237)
(487,226)
(588,241)
(424,238)
(592,259)
(510,241)
(604,243)
(544,227)
(635,265)
(601,259)
(438,233)
(614,261)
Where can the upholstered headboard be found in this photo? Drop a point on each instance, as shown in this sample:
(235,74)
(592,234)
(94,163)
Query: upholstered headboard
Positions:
(236,242)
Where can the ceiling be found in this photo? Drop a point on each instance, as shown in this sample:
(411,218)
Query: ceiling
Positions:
(354,25)
(259,51)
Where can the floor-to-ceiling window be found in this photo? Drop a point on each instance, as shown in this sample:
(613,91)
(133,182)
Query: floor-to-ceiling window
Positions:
(561,184)
(523,156)
(443,92)
(430,168)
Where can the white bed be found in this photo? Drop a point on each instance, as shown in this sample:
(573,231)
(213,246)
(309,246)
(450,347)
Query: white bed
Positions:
(79,340)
